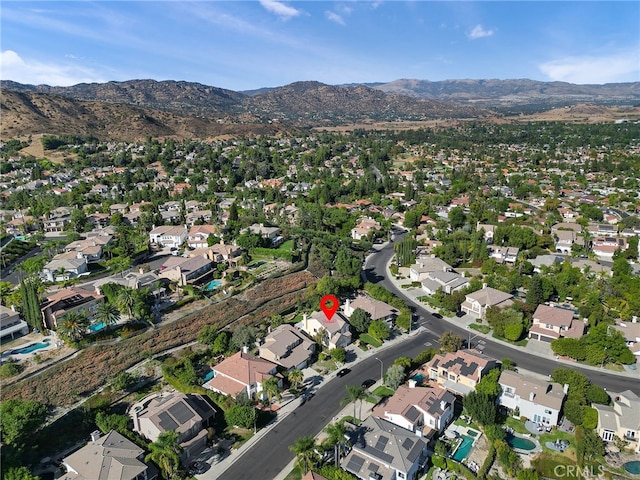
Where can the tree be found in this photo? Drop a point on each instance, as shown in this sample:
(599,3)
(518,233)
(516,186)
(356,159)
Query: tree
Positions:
(243,416)
(123,381)
(304,448)
(107,314)
(126,301)
(360,320)
(73,326)
(355,393)
(243,336)
(450,342)
(394,376)
(338,354)
(379,329)
(535,294)
(336,439)
(295,377)
(481,407)
(106,422)
(588,445)
(31,302)
(19,419)
(165,452)
(208,335)
(221,343)
(272,388)
(489,385)
(5,291)
(19,473)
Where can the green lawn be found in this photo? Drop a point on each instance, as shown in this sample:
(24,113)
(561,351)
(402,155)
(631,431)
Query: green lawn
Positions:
(383,391)
(516,424)
(480,328)
(366,338)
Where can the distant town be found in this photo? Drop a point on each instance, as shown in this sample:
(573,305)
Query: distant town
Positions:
(161,305)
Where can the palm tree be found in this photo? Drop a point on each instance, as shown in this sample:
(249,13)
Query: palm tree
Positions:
(106,314)
(336,432)
(271,388)
(126,300)
(73,326)
(165,452)
(304,448)
(355,393)
(295,377)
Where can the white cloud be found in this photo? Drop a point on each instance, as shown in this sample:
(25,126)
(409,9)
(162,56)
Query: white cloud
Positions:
(280,9)
(620,67)
(334,17)
(13,67)
(479,32)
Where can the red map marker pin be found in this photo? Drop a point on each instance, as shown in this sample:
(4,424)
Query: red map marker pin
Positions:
(329,305)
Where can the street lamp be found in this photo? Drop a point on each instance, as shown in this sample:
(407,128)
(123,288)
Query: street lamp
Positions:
(470,337)
(381,370)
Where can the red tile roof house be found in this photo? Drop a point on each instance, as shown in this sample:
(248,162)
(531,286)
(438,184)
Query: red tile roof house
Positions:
(288,347)
(241,372)
(550,323)
(188,415)
(186,270)
(74,299)
(422,410)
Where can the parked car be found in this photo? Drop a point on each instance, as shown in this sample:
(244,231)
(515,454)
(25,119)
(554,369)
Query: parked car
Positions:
(343,372)
(368,382)
(197,468)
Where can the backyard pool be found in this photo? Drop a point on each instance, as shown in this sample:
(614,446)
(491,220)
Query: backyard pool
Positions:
(632,467)
(520,443)
(96,327)
(207,377)
(30,348)
(213,284)
(463,450)
(418,377)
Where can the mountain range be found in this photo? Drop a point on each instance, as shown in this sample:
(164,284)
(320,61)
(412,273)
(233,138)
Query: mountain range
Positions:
(178,108)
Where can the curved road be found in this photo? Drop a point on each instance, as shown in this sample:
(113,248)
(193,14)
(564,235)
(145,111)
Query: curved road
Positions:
(271,453)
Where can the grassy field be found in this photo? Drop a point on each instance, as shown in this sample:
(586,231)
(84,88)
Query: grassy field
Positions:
(368,339)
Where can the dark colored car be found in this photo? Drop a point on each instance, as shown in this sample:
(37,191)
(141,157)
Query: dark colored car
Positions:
(343,372)
(460,314)
(437,315)
(367,383)
(197,468)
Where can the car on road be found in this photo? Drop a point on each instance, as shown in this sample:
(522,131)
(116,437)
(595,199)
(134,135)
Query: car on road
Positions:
(197,468)
(343,372)
(437,315)
(368,382)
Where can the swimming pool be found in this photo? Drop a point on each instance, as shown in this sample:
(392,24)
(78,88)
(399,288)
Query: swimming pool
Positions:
(632,467)
(207,377)
(213,284)
(96,327)
(418,377)
(30,348)
(520,443)
(463,450)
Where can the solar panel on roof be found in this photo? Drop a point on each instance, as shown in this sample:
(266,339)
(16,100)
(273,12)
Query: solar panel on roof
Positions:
(181,413)
(381,443)
(373,467)
(413,413)
(407,444)
(415,453)
(166,422)
(355,464)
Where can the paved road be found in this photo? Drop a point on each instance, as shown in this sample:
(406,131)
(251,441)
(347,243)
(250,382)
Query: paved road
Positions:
(271,453)
(375,272)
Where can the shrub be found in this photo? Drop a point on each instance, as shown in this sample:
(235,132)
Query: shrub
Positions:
(513,331)
(590,418)
(10,369)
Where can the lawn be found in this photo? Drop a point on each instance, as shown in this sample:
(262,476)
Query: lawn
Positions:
(480,328)
(368,339)
(295,474)
(517,425)
(555,466)
(383,391)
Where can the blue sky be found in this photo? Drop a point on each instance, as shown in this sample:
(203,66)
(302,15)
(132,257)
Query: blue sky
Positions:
(243,45)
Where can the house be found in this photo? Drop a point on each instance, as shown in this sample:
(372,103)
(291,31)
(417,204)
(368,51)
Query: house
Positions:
(538,400)
(168,236)
(273,234)
(545,261)
(605,247)
(375,308)
(489,231)
(550,323)
(422,410)
(186,271)
(199,234)
(621,420)
(187,414)
(11,323)
(221,253)
(130,279)
(449,282)
(459,372)
(239,373)
(503,254)
(288,347)
(477,303)
(112,457)
(631,333)
(74,299)
(382,450)
(425,265)
(90,248)
(335,332)
(56,224)
(365,227)
(65,266)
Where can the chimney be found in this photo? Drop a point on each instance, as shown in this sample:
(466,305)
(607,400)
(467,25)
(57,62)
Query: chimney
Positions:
(347,305)
(13,307)
(484,285)
(304,322)
(565,388)
(95,435)
(443,405)
(531,396)
(412,383)
(79,255)
(634,319)
(245,349)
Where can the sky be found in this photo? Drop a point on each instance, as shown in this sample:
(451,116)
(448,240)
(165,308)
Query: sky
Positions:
(244,45)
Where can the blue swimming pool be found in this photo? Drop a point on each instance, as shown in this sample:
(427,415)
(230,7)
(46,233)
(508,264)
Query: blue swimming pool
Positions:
(96,327)
(632,467)
(213,284)
(520,443)
(30,348)
(207,377)
(463,450)
(418,377)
